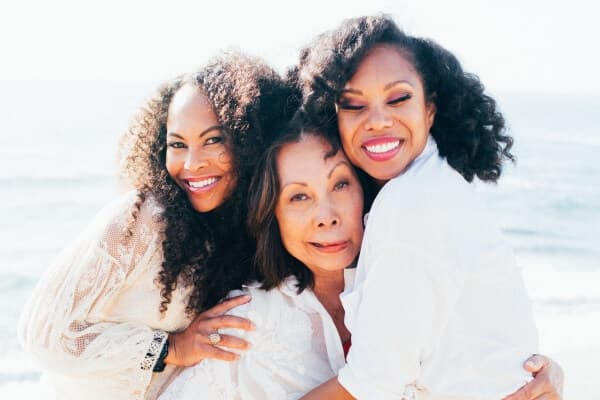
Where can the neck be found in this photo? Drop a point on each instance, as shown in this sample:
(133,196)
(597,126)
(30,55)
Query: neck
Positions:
(328,286)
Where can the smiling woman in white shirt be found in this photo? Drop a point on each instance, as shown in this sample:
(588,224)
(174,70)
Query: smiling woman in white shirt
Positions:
(438,309)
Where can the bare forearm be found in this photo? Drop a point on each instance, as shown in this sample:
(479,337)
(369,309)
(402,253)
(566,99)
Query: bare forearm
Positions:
(331,390)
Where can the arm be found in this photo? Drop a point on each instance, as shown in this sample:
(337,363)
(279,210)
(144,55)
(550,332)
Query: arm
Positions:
(62,325)
(331,390)
(548,382)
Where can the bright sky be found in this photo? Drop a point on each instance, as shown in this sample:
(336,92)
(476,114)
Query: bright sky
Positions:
(514,45)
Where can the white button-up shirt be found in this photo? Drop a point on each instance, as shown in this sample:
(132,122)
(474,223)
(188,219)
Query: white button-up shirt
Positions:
(295,348)
(438,309)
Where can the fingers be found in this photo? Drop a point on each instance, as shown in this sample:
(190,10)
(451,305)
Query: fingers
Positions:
(193,344)
(547,396)
(535,363)
(233,342)
(533,390)
(229,321)
(216,353)
(225,306)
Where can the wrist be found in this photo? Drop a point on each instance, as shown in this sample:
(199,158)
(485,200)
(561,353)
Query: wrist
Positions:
(161,363)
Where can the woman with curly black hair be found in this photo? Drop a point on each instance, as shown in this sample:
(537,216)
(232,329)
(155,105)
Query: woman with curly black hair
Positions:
(138,294)
(438,308)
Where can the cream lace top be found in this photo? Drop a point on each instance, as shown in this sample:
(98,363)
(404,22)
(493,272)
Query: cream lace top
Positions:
(94,320)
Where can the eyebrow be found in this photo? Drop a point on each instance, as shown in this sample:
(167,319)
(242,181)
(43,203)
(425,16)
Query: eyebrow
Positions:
(204,132)
(386,87)
(341,162)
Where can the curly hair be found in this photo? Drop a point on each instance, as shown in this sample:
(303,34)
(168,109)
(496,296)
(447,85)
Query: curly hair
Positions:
(273,262)
(468,128)
(210,251)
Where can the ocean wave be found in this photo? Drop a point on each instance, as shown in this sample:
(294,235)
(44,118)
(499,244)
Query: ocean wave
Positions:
(27,376)
(52,180)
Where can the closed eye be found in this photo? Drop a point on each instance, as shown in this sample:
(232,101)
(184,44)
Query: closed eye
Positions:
(350,107)
(400,99)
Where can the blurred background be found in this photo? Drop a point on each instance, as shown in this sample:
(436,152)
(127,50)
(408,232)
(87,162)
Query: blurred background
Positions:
(74,73)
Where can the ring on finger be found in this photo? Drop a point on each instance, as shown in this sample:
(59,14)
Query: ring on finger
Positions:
(214,338)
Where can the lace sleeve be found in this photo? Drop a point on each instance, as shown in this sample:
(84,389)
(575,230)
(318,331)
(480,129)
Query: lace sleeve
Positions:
(66,324)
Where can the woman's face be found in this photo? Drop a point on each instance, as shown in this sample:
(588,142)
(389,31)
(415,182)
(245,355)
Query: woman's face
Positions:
(320,204)
(198,158)
(383,117)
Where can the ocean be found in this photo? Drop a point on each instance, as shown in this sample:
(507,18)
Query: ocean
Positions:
(57,169)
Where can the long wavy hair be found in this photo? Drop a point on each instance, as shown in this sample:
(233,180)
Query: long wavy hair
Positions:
(210,251)
(468,128)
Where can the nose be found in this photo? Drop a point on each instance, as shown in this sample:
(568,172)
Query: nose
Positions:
(195,160)
(326,216)
(378,118)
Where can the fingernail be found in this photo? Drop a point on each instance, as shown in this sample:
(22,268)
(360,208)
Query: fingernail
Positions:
(531,364)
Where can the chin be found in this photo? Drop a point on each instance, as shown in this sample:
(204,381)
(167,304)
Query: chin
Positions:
(203,208)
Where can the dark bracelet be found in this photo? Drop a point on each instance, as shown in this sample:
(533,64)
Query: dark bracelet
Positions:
(160,362)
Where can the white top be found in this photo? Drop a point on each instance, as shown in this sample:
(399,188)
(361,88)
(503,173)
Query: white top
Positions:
(93,321)
(438,300)
(295,348)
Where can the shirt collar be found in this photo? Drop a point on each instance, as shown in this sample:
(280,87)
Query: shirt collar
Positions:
(289,286)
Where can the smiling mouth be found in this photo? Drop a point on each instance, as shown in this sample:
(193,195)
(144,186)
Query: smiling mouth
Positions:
(383,147)
(202,185)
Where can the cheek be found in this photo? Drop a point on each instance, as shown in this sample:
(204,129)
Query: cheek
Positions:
(357,225)
(224,160)
(351,150)
(172,164)
(290,230)
(345,128)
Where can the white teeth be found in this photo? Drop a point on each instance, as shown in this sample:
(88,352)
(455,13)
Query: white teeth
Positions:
(203,183)
(382,148)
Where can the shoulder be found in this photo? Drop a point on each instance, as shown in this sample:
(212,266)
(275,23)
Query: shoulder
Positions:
(263,301)
(428,196)
(124,223)
(281,315)
(433,211)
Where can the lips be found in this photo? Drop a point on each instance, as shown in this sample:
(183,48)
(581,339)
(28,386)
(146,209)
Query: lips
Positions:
(200,185)
(330,247)
(382,148)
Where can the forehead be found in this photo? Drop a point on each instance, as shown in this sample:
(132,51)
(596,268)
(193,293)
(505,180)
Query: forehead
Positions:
(381,65)
(190,105)
(306,158)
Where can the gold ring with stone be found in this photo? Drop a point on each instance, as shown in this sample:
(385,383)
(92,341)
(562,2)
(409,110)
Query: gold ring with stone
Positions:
(214,338)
